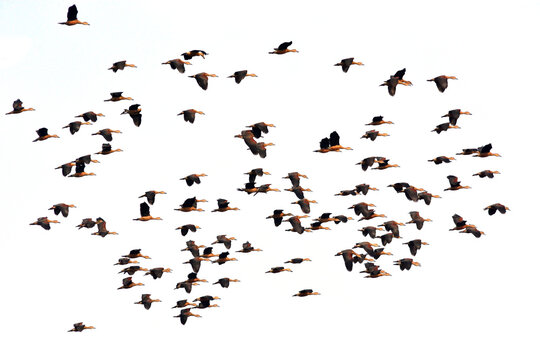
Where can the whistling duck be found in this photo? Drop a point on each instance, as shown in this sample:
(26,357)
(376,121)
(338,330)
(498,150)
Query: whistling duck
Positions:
(386,238)
(224,282)
(364,188)
(61,208)
(223,258)
(417,219)
(297,260)
(223,205)
(472,230)
(185,314)
(183,303)
(145,213)
(78,327)
(189,115)
(492,209)
(283,49)
(79,169)
(348,258)
(190,54)
(318,226)
(295,178)
(296,225)
(102,229)
(90,116)
(346,64)
(107,133)
(392,226)
(298,191)
(43,134)
(125,261)
(415,245)
(331,144)
(406,264)
(204,301)
(455,184)
(259,128)
(72,17)
(249,140)
(278,216)
(147,301)
(396,80)
(127,283)
(442,159)
(261,148)
(131,270)
(151,196)
(188,227)
(374,271)
(136,253)
(367,247)
(371,215)
(485,151)
(383,164)
(304,205)
(254,173)
(186,285)
(444,127)
(426,196)
(468,151)
(196,263)
(135,113)
(106,149)
(247,248)
(223,239)
(373,134)
(264,189)
(325,217)
(361,208)
(45,223)
(249,188)
(87,223)
(240,75)
(202,79)
(490,174)
(442,81)
(368,162)
(177,64)
(190,204)
(75,126)
(193,179)
(207,253)
(120,65)
(193,248)
(459,222)
(378,120)
(453,115)
(277,269)
(192,278)
(370,230)
(18,108)
(117,96)
(306,292)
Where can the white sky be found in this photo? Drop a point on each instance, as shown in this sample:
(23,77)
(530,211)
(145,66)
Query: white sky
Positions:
(472,298)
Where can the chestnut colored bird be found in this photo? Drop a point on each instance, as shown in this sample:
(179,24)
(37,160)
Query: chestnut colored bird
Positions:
(196,263)
(18,108)
(223,239)
(183,303)
(297,260)
(406,264)
(204,301)
(384,164)
(43,134)
(304,205)
(72,17)
(278,216)
(189,115)
(371,231)
(120,65)
(223,258)
(361,208)
(348,258)
(444,127)
(190,204)
(127,283)
(202,79)
(224,282)
(147,301)
(373,134)
(135,113)
(417,219)
(331,144)
(374,271)
(378,120)
(364,188)
(386,238)
(131,270)
(125,261)
(298,191)
(136,253)
(240,75)
(79,327)
(193,179)
(107,149)
(392,226)
(318,226)
(371,215)
(459,222)
(306,292)
(75,126)
(190,54)
(442,81)
(492,209)
(260,128)
(188,227)
(453,115)
(177,64)
(90,116)
(145,213)
(151,196)
(346,64)
(117,96)
(296,225)
(368,162)
(472,230)
(295,178)
(277,269)
(442,159)
(283,48)
(395,80)
(87,223)
(254,173)
(247,248)
(185,314)
(490,174)
(107,133)
(62,208)
(426,196)
(79,169)
(455,184)
(45,223)
(223,205)
(485,151)
(415,245)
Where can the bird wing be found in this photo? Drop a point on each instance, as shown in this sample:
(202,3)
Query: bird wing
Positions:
(72,13)
(284,46)
(334,138)
(399,74)
(17,105)
(42,132)
(145,209)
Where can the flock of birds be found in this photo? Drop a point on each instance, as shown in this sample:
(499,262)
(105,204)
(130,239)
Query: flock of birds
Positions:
(385,232)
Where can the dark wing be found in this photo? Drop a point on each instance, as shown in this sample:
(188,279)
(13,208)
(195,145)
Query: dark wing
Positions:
(116,94)
(441,82)
(106,148)
(150,196)
(137,119)
(324,143)
(485,149)
(135,106)
(346,64)
(145,209)
(202,80)
(72,13)
(42,132)
(239,76)
(334,138)
(458,220)
(17,105)
(453,116)
(86,159)
(399,74)
(222,203)
(79,168)
(191,202)
(453,180)
(392,85)
(284,46)
(224,282)
(411,194)
(127,281)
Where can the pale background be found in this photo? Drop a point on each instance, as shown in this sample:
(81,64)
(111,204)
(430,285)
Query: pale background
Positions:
(472,298)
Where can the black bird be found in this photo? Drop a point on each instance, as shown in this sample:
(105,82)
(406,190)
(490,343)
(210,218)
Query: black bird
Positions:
(135,113)
(346,64)
(415,245)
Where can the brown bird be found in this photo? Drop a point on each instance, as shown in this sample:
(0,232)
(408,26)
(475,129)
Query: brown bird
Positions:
(378,120)
(204,301)
(371,231)
(392,226)
(386,238)
(442,81)
(298,191)
(373,134)
(87,223)
(136,253)
(75,126)
(455,184)
(471,229)
(295,178)
(297,260)
(296,225)
(72,17)
(193,179)
(415,245)
(374,271)
(395,80)
(264,189)
(442,159)
(208,252)
(196,263)
(147,301)
(120,65)
(261,148)
(283,49)
(304,205)
(490,174)
(190,54)
(62,208)
(193,248)
(223,205)
(90,116)
(346,64)
(18,108)
(247,248)
(371,215)
(492,209)
(79,169)
(125,261)
(106,149)
(183,303)
(384,164)
(278,216)
(426,196)
(444,127)
(190,204)
(459,222)
(223,258)
(331,144)
(177,64)
(318,226)
(117,96)
(131,270)
(78,327)
(202,79)
(43,134)
(364,188)
(368,162)
(406,264)
(253,173)
(45,223)
(223,239)
(127,283)
(189,115)
(240,75)
(453,115)
(485,151)
(151,196)
(348,258)
(145,213)
(185,314)
(224,282)
(417,219)
(361,208)
(277,269)
(135,113)
(107,133)
(306,292)
(468,151)
(260,128)
(188,227)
